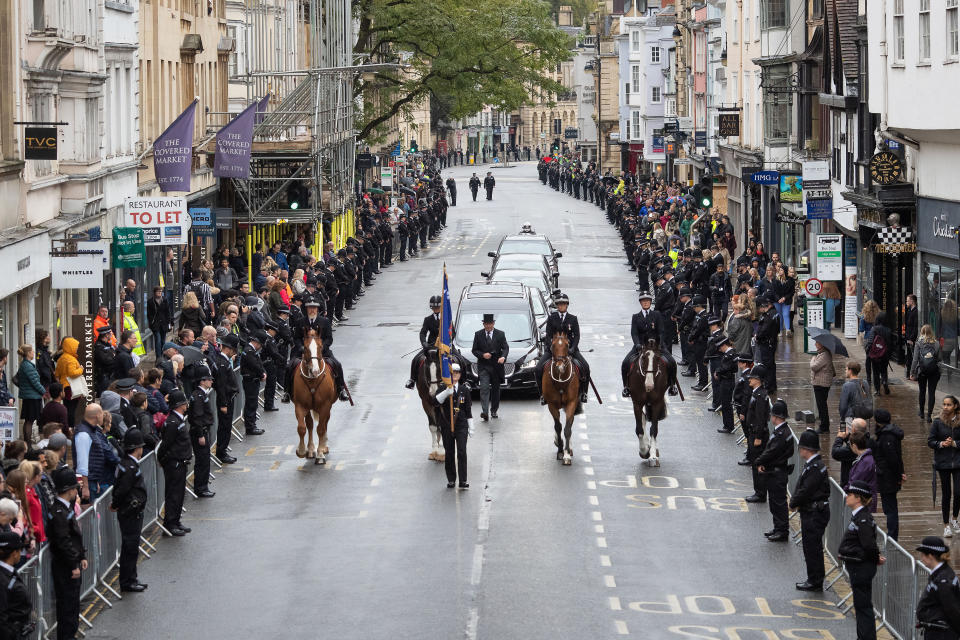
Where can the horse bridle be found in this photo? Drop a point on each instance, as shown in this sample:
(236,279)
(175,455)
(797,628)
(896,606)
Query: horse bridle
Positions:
(656,365)
(564,362)
(308,358)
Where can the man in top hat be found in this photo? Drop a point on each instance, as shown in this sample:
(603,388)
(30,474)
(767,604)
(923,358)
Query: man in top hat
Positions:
(225,382)
(811,497)
(68,557)
(768,332)
(174,454)
(429,331)
(861,555)
(488,184)
(938,611)
(774,463)
(566,323)
(697,339)
(16,610)
(755,429)
(128,501)
(724,373)
(455,426)
(490,348)
(200,414)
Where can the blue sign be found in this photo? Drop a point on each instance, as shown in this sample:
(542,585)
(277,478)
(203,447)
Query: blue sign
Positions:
(893,145)
(203,222)
(395,153)
(657,144)
(820,209)
(765,177)
(700,138)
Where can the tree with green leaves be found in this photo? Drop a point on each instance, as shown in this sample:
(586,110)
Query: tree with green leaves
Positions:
(467,54)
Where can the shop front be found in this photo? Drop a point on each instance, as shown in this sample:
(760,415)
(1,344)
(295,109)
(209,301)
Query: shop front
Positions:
(939,243)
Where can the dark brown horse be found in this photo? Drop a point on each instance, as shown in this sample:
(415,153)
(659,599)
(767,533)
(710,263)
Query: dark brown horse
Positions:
(429,384)
(648,381)
(314,392)
(561,387)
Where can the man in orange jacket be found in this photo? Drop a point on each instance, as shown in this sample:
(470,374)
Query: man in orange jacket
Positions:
(102,320)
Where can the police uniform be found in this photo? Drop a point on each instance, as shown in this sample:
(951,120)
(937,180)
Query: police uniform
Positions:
(938,611)
(756,432)
(474,186)
(16,610)
(775,462)
(273,364)
(67,554)
(200,413)
(455,441)
(429,331)
(697,339)
(569,325)
(741,389)
(225,382)
(644,326)
(860,554)
(252,373)
(685,315)
(174,454)
(723,383)
(768,332)
(129,500)
(811,497)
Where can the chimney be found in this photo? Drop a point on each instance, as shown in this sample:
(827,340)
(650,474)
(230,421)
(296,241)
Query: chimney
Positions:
(565,16)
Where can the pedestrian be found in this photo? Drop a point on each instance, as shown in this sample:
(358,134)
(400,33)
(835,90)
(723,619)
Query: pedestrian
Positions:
(879,344)
(16,609)
(67,554)
(474,186)
(863,469)
(68,373)
(159,318)
(54,410)
(29,389)
(740,327)
(32,471)
(822,374)
(888,457)
(125,359)
(811,497)
(924,367)
(200,415)
(938,612)
(128,501)
(910,326)
(456,425)
(944,434)
(490,348)
(130,324)
(191,315)
(174,455)
(868,316)
(96,457)
(853,394)
(755,429)
(859,552)
(785,288)
(45,363)
(768,333)
(774,463)
(488,184)
(841,450)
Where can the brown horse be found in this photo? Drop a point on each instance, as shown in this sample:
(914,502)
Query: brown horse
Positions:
(648,382)
(561,386)
(428,386)
(314,392)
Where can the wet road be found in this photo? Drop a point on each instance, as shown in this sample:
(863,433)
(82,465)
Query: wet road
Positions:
(373,545)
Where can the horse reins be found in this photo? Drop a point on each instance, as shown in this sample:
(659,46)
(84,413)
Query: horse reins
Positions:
(564,362)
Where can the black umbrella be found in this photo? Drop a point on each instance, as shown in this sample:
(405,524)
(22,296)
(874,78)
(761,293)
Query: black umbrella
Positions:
(829,341)
(191,354)
(610,180)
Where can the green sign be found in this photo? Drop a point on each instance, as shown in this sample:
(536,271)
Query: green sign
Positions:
(128,250)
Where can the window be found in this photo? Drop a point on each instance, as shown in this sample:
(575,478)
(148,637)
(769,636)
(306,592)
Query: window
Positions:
(701,116)
(745,138)
(924,31)
(635,77)
(776,120)
(634,125)
(655,95)
(635,41)
(557,126)
(898,47)
(735,32)
(655,55)
(700,57)
(953,33)
(734,87)
(232,61)
(670,109)
(746,29)
(774,13)
(835,143)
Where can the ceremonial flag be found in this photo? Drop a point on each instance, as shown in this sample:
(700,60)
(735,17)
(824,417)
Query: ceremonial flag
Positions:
(262,108)
(173,152)
(445,339)
(234,143)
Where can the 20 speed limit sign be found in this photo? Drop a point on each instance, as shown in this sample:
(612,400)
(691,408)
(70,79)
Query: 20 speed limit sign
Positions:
(813,287)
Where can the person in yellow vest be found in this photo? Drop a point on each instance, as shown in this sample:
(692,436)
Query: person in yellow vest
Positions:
(130,324)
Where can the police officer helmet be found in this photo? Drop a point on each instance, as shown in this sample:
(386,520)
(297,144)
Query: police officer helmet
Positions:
(259,337)
(311,303)
(230,340)
(133,439)
(454,367)
(758,371)
(779,409)
(561,298)
(860,488)
(176,399)
(645,295)
(764,301)
(685,291)
(722,341)
(11,541)
(809,440)
(933,545)
(697,253)
(65,478)
(745,357)
(714,320)
(699,301)
(436,301)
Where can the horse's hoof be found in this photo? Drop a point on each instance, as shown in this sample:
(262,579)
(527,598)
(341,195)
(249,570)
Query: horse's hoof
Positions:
(320,460)
(301,454)
(654,462)
(311,454)
(645,455)
(559,455)
(432,456)
(567,460)
(441,457)
(326,449)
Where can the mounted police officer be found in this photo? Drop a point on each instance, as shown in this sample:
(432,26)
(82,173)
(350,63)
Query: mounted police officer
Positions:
(811,497)
(128,501)
(429,332)
(774,463)
(562,322)
(313,321)
(645,325)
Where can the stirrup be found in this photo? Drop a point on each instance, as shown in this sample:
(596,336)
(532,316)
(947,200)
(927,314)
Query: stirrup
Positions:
(625,393)
(542,400)
(410,384)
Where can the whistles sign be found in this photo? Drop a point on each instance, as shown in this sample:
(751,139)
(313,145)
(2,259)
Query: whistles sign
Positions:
(40,143)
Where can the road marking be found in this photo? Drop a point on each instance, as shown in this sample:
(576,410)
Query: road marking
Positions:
(621,627)
(275,465)
(472,622)
(477,570)
(381,466)
(605,561)
(598,528)
(601,542)
(614,603)
(597,516)
(584,436)
(588,471)
(592,485)
(375,482)
(585,447)
(609,582)
(594,500)
(368,500)
(587,459)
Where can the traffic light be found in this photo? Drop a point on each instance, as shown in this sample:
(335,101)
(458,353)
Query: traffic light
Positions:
(705,199)
(413,146)
(298,196)
(556,145)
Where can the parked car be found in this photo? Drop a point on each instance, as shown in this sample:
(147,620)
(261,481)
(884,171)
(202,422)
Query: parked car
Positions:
(513,305)
(529,243)
(525,261)
(533,278)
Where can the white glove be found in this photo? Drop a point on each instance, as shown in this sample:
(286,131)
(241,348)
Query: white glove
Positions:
(470,429)
(443,395)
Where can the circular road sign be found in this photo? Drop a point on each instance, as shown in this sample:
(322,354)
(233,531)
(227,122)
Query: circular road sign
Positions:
(813,287)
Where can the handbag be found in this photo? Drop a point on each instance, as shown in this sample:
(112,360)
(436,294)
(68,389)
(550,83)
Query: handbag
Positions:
(78,386)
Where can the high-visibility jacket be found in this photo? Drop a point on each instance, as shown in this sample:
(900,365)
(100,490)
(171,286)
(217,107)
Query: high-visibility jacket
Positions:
(674,255)
(129,324)
(99,323)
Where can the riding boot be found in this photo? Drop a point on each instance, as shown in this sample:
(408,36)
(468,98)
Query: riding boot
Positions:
(584,388)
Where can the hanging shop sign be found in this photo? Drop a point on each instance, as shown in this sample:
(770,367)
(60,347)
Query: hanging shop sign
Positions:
(791,188)
(765,177)
(203,222)
(830,256)
(163,220)
(937,225)
(40,143)
(729,124)
(850,320)
(128,249)
(80,269)
(885,168)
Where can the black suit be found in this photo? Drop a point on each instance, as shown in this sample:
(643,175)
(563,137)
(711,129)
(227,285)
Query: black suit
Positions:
(490,371)
(811,497)
(429,331)
(174,454)
(569,326)
(67,552)
(455,442)
(225,382)
(755,428)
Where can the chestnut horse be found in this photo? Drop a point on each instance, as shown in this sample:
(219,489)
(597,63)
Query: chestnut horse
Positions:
(561,390)
(314,393)
(648,381)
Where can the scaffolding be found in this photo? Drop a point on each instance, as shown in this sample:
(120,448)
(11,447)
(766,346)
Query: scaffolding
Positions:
(301,53)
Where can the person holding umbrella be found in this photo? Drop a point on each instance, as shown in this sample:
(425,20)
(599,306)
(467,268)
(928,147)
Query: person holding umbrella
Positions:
(822,373)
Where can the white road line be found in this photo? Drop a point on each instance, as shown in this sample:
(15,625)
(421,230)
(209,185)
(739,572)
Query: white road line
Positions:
(592,485)
(597,516)
(614,603)
(368,500)
(601,542)
(472,622)
(609,582)
(483,517)
(605,561)
(621,627)
(598,528)
(585,447)
(375,482)
(594,500)
(477,570)
(588,471)
(587,459)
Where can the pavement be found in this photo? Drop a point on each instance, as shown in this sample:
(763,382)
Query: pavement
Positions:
(373,545)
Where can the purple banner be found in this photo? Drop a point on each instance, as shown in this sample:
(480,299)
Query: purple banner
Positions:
(234,141)
(262,108)
(173,153)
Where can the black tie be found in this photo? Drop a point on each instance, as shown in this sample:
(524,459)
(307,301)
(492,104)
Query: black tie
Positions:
(490,336)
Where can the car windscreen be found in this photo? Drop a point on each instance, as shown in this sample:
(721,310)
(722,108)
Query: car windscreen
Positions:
(515,325)
(533,279)
(523,245)
(510,261)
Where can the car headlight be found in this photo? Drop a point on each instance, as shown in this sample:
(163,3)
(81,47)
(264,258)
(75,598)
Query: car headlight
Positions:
(529,364)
